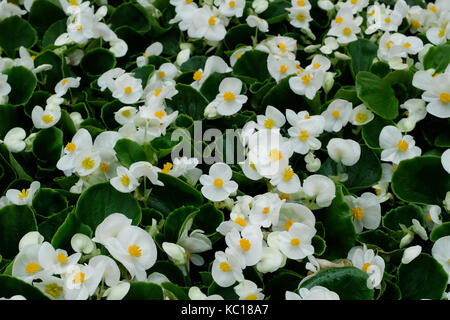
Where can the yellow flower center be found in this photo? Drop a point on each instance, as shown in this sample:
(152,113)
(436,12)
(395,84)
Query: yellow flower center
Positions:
(218,183)
(252,165)
(79,277)
(353,2)
(135,251)
(300,17)
(212,20)
(394,167)
(71,147)
(245,244)
(288,174)
(316,65)
(189,1)
(251,297)
(88,163)
(282,47)
(225,267)
(389,43)
(295,242)
(159,114)
(357,213)
(289,224)
(347,31)
(269,123)
(24,194)
(444,97)
(339,19)
(53,289)
(33,57)
(371,13)
(441,32)
(79,27)
(433,8)
(73,2)
(231,4)
(378,191)
(126,113)
(197,75)
(301,3)
(387,20)
(128,90)
(64,82)
(266,210)
(407,44)
(402,145)
(366,266)
(240,221)
(161,74)
(47,118)
(285,196)
(415,23)
(158,92)
(239,55)
(283,68)
(306,78)
(335,114)
(303,135)
(275,155)
(229,96)
(32,267)
(361,117)
(429,218)
(167,167)
(62,258)
(104,167)
(125,180)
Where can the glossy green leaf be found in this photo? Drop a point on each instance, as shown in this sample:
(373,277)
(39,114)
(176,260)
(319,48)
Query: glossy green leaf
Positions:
(22,82)
(144,73)
(129,152)
(437,57)
(239,34)
(131,15)
(47,146)
(144,291)
(371,131)
(208,218)
(54,75)
(16,32)
(47,201)
(176,220)
(43,14)
(164,145)
(178,292)
(48,227)
(282,97)
(10,286)
(440,231)
(170,270)
(71,225)
(245,66)
(188,101)
(227,293)
(97,61)
(363,52)
(403,215)
(53,32)
(284,280)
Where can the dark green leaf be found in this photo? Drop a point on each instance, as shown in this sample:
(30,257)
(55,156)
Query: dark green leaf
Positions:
(16,32)
(144,291)
(129,152)
(363,52)
(22,82)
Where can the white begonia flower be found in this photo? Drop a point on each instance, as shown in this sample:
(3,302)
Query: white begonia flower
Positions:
(313,164)
(9,9)
(207,23)
(257,22)
(271,260)
(166,72)
(307,83)
(155,49)
(184,14)
(291,213)
(366,211)
(26,264)
(416,112)
(418,229)
(176,253)
(441,252)
(77,119)
(237,54)
(280,46)
(52,287)
(217,185)
(330,44)
(195,293)
(260,5)
(107,79)
(433,216)
(125,115)
(5,88)
(247,244)
(320,188)
(239,216)
(229,100)
(30,238)
(14,140)
(212,64)
(265,209)
(86,161)
(445,160)
(345,151)
(24,197)
(361,115)
(43,119)
(319,62)
(227,268)
(185,166)
(437,92)
(56,261)
(272,118)
(125,181)
(305,131)
(118,47)
(109,269)
(230,8)
(127,89)
(81,281)
(411,253)
(296,243)
(366,260)
(157,119)
(110,227)
(286,181)
(299,17)
(193,243)
(344,26)
(27,61)
(280,67)
(117,291)
(337,115)
(315,293)
(397,147)
(82,243)
(248,290)
(17,296)
(357,5)
(183,56)
(65,84)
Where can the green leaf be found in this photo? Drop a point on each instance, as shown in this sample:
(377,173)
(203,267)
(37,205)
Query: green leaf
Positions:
(377,95)
(421,180)
(15,222)
(49,226)
(22,82)
(101,200)
(131,15)
(437,57)
(319,245)
(194,63)
(177,291)
(422,278)
(72,224)
(282,97)
(47,146)
(403,215)
(144,73)
(349,283)
(378,238)
(162,198)
(144,291)
(227,293)
(284,280)
(164,145)
(175,221)
(208,219)
(276,11)
(245,66)
(47,201)
(188,101)
(10,286)
(43,14)
(440,231)
(11,117)
(363,52)
(239,34)
(52,76)
(16,32)
(53,32)
(391,292)
(371,131)
(129,152)
(170,270)
(97,61)
(340,233)
(210,88)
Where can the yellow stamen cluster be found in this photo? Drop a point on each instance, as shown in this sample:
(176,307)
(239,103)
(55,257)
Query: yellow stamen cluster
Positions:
(229,96)
(47,118)
(444,97)
(357,213)
(295,242)
(307,78)
(79,277)
(53,289)
(288,174)
(225,267)
(289,224)
(361,117)
(275,155)
(24,194)
(218,183)
(88,163)
(303,135)
(62,258)
(402,145)
(245,244)
(135,251)
(197,75)
(32,267)
(167,167)
(269,123)
(240,221)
